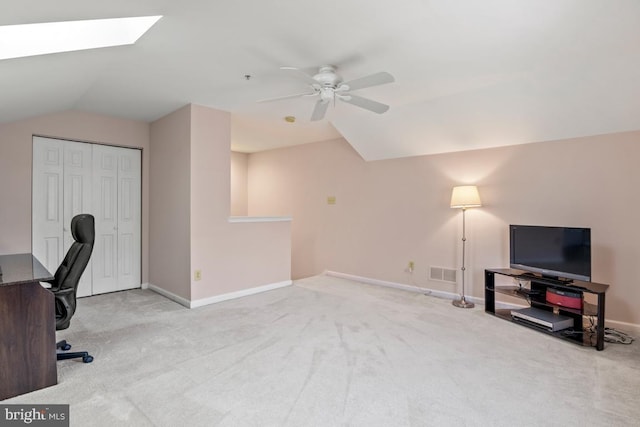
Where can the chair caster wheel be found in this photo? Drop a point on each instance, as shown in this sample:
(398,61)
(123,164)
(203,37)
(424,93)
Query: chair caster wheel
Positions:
(66,347)
(87,359)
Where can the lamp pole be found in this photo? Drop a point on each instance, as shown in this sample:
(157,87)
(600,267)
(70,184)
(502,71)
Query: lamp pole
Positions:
(463,197)
(462,302)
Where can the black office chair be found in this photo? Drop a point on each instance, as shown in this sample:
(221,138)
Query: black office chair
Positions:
(67,277)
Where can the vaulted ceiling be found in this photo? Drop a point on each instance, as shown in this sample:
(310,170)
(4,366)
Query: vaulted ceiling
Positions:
(469,74)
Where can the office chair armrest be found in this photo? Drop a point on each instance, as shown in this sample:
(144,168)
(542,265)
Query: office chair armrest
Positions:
(62,292)
(51,285)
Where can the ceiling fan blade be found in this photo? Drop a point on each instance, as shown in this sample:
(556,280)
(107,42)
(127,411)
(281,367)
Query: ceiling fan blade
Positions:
(301,74)
(319,110)
(365,103)
(279,98)
(370,80)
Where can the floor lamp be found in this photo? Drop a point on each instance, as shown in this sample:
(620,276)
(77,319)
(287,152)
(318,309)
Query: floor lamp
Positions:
(463,197)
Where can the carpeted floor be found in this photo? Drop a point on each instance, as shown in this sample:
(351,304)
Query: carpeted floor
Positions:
(331,352)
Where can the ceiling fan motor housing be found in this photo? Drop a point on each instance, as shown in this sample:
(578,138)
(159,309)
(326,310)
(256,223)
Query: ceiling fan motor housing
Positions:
(327,77)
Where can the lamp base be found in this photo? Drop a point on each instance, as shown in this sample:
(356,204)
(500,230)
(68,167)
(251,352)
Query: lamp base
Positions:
(462,303)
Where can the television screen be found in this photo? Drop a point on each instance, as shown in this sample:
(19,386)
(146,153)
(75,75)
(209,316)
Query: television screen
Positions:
(556,252)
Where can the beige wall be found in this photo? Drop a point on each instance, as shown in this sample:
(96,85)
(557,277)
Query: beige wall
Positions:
(170,203)
(190,206)
(231,256)
(392,211)
(16,168)
(239,165)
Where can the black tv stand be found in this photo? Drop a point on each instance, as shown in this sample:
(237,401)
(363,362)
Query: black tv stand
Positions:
(588,325)
(527,292)
(560,280)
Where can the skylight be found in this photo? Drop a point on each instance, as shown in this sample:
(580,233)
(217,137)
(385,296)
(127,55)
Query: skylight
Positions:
(17,41)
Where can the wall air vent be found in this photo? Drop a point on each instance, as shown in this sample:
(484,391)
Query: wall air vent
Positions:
(442,274)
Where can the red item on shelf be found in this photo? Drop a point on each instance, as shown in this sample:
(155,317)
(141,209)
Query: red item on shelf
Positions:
(564,298)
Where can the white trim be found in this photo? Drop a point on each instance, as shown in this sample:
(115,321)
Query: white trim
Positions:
(410,288)
(259,218)
(239,294)
(218,298)
(144,285)
(165,293)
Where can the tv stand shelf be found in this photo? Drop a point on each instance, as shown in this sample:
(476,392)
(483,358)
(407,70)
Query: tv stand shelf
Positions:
(588,327)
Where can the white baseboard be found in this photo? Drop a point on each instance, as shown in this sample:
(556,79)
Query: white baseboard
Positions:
(144,285)
(239,294)
(218,298)
(173,297)
(631,328)
(410,288)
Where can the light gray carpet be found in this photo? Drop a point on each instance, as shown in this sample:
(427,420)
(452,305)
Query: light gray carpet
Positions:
(331,352)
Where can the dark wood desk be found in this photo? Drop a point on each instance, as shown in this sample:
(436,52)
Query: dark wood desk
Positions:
(27,327)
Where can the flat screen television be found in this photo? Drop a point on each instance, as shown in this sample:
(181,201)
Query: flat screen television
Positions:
(554,252)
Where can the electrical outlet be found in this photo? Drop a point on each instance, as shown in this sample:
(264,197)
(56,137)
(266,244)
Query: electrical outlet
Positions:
(410,267)
(197,275)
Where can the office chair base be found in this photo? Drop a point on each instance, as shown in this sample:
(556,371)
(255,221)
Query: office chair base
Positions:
(64,345)
(86,357)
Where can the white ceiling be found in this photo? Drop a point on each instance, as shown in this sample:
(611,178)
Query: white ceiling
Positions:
(469,74)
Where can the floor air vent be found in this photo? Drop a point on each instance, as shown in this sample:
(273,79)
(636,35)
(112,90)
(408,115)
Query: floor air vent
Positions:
(443,274)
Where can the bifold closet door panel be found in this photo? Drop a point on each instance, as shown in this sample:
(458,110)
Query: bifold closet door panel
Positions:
(47,202)
(77,198)
(116,203)
(61,190)
(129,218)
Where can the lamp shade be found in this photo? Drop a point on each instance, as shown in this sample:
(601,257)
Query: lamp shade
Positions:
(465,196)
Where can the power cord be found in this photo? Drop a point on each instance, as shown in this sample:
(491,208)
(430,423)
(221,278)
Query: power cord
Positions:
(610,335)
(618,337)
(409,270)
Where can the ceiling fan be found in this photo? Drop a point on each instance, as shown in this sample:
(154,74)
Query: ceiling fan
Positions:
(328,86)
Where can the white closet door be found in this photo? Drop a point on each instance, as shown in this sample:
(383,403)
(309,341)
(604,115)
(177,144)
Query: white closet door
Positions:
(116,202)
(61,190)
(129,215)
(71,178)
(77,198)
(47,202)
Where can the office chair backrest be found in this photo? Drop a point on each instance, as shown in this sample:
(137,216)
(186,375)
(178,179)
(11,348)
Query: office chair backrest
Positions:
(68,275)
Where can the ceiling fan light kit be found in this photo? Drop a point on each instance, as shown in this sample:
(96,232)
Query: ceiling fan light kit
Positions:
(328,86)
